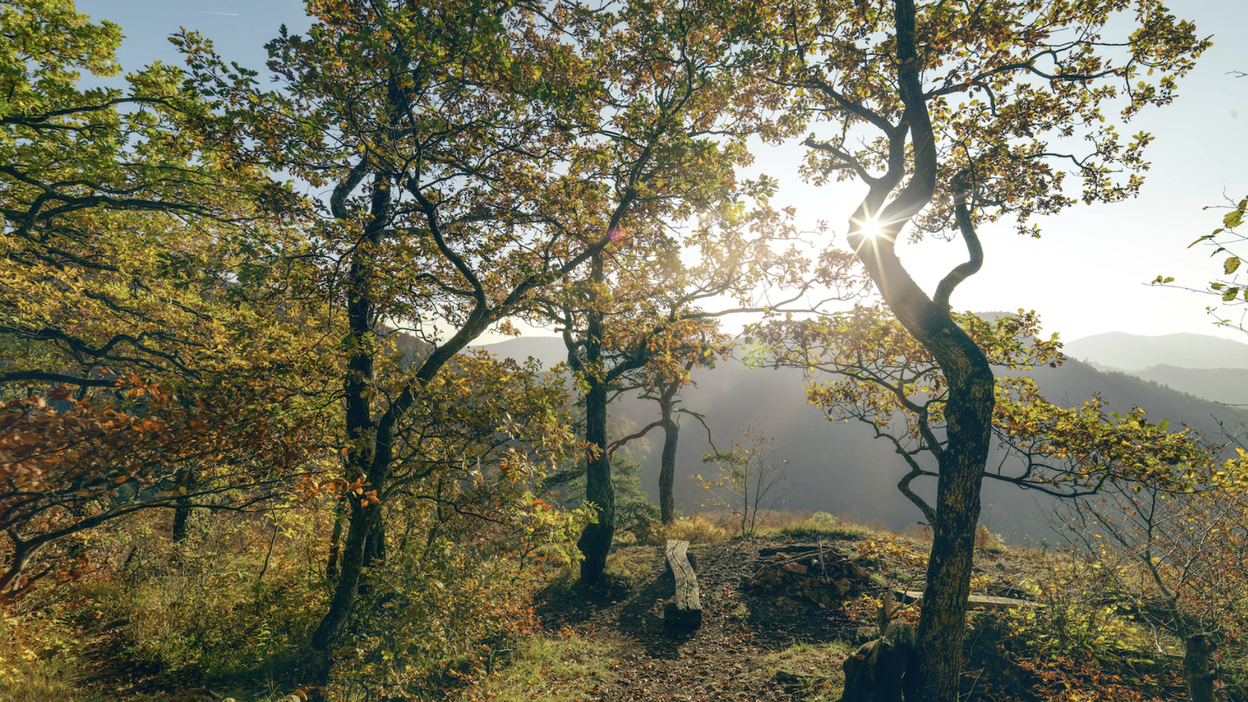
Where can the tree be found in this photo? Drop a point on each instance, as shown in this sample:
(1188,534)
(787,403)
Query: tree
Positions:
(978,104)
(637,322)
(477,153)
(664,389)
(748,474)
(1181,556)
(140,331)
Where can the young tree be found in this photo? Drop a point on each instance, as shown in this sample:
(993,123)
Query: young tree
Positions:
(982,106)
(1183,558)
(750,475)
(664,388)
(638,320)
(614,330)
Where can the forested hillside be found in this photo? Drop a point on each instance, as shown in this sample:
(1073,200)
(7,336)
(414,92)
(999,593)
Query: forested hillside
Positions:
(840,467)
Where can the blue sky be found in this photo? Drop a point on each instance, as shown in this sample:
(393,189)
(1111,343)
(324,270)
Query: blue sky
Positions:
(1089,272)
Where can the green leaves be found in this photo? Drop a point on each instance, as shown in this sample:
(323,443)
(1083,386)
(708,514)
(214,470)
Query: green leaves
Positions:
(1235,217)
(1230,265)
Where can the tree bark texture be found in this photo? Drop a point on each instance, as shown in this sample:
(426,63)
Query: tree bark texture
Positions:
(352,566)
(181,519)
(667,466)
(362,459)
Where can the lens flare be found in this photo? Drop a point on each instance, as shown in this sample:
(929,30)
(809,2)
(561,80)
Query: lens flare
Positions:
(871,229)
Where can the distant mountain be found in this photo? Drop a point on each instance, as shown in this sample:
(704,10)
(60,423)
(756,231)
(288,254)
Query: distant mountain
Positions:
(839,467)
(1225,385)
(1136,352)
(547,349)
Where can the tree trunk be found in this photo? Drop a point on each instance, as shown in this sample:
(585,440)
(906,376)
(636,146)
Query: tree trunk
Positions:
(968,436)
(374,550)
(595,541)
(1199,669)
(335,542)
(352,565)
(970,398)
(363,462)
(968,433)
(182,509)
(181,517)
(667,469)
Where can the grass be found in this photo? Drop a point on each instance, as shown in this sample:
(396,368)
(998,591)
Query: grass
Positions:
(42,681)
(817,525)
(809,672)
(554,669)
(696,529)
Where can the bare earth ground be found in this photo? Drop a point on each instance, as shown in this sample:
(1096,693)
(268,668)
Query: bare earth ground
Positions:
(730,657)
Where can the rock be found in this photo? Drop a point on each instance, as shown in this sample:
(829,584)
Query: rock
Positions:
(795,568)
(793,683)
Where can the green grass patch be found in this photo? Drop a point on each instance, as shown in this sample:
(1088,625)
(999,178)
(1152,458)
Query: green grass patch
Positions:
(820,525)
(553,669)
(809,672)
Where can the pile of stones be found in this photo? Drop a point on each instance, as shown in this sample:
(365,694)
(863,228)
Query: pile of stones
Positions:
(815,574)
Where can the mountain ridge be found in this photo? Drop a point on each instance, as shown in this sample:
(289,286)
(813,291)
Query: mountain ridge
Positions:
(840,467)
(1131,352)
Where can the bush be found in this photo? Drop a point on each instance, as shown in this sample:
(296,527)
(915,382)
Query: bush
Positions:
(447,606)
(237,599)
(1077,616)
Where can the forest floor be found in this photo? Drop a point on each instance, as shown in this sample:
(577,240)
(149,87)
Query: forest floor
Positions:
(611,643)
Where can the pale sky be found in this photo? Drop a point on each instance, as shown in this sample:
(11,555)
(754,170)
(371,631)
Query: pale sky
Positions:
(1089,272)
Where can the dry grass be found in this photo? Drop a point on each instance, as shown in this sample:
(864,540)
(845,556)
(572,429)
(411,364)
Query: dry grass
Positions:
(696,529)
(810,672)
(556,669)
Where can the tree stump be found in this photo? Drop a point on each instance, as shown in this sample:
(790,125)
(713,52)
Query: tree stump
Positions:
(685,608)
(873,673)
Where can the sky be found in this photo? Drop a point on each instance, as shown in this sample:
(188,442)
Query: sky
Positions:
(1088,273)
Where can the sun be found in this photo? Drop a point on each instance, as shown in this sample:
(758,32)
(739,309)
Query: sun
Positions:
(871,229)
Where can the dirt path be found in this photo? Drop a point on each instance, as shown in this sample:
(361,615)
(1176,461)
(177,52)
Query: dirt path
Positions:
(735,653)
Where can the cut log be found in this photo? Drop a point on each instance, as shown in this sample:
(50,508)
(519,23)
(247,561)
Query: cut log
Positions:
(685,608)
(975,601)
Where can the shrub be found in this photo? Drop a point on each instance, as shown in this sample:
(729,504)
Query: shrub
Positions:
(448,605)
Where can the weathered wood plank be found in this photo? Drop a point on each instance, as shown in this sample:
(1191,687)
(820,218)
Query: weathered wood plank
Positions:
(685,608)
(975,601)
